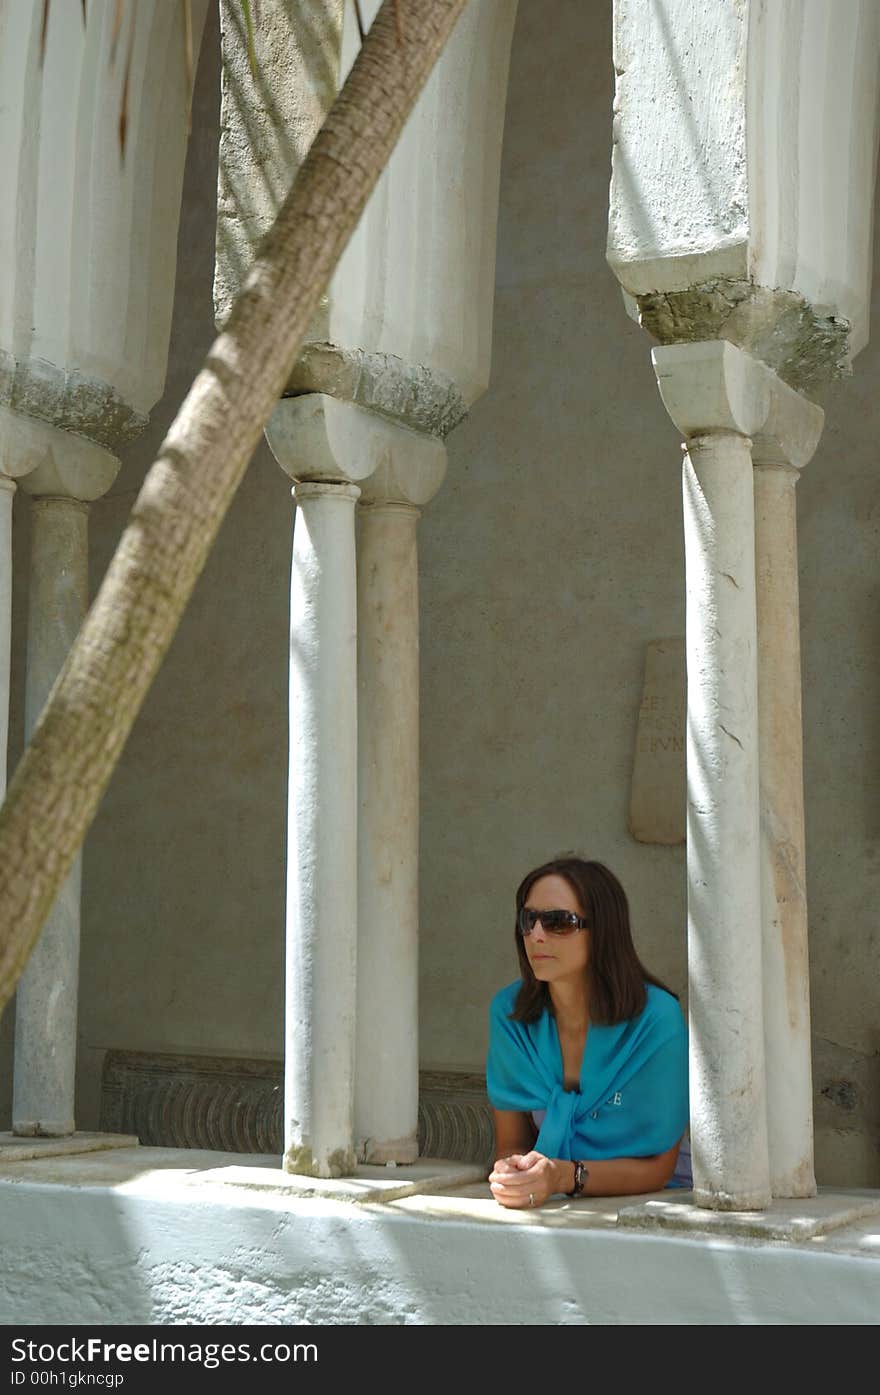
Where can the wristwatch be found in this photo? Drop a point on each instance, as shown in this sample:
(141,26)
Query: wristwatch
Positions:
(581,1173)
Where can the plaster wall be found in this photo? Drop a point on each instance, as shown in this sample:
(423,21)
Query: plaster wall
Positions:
(550,557)
(554,554)
(548,561)
(175,1240)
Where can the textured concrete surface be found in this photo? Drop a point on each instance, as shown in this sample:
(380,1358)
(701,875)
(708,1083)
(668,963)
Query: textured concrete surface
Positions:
(148,1236)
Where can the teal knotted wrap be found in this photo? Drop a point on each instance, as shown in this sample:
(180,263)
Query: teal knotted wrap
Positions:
(633,1097)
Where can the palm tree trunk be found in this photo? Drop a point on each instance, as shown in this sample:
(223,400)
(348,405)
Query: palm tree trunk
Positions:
(63,774)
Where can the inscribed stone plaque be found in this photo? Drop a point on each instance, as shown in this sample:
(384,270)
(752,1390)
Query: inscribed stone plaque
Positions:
(658,795)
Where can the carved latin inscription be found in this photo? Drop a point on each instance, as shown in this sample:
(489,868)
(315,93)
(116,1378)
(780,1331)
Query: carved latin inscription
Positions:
(657,801)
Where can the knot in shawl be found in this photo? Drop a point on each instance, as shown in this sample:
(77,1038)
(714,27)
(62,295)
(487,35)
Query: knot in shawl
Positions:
(633,1096)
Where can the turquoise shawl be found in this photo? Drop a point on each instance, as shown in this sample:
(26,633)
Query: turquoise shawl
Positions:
(633,1097)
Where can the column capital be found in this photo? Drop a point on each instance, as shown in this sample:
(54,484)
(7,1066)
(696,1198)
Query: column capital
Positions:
(713,386)
(318,438)
(322,438)
(47,460)
(411,467)
(790,434)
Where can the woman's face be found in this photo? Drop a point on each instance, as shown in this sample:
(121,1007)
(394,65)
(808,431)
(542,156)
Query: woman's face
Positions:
(555,958)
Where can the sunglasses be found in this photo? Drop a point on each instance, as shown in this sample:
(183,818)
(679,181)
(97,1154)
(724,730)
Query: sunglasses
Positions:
(554,922)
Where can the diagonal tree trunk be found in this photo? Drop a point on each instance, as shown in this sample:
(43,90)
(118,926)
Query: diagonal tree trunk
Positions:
(90,712)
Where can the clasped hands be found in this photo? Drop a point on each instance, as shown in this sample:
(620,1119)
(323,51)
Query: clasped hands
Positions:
(524,1179)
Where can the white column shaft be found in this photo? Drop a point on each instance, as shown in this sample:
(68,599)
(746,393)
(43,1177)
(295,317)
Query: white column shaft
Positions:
(322,836)
(728,1105)
(786,965)
(46,1000)
(387,1070)
(7,490)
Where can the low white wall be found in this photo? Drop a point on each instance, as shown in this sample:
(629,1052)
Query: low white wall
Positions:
(166,1250)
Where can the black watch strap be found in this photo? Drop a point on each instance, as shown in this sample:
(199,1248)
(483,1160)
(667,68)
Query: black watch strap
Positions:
(581,1173)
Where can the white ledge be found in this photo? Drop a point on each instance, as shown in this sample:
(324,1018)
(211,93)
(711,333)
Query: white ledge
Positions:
(164,1236)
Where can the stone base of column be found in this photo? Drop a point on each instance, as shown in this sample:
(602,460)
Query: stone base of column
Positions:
(14,1148)
(43,1128)
(300,1159)
(397,1150)
(782,1220)
(727,1201)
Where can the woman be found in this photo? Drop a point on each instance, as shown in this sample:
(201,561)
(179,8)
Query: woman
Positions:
(587,1066)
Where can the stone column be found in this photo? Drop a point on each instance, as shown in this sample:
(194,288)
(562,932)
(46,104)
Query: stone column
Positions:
(310,437)
(322,836)
(387,1062)
(397,354)
(82,361)
(784,446)
(717,396)
(46,1001)
(324,444)
(62,472)
(7,490)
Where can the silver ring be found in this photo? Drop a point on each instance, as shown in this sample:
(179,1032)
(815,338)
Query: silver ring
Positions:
(531,1198)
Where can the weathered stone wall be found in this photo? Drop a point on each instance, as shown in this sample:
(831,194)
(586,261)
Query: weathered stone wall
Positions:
(550,559)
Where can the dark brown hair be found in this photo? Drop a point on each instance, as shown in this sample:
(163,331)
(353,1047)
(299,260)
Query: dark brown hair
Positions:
(615,974)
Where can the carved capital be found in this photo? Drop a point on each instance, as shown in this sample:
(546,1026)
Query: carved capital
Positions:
(47,460)
(712,386)
(316,437)
(791,432)
(410,467)
(322,438)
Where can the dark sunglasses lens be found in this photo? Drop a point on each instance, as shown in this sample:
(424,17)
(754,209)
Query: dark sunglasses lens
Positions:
(525,921)
(554,922)
(558,922)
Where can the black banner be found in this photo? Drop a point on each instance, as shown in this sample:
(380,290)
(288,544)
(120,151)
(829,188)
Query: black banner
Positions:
(255,1358)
